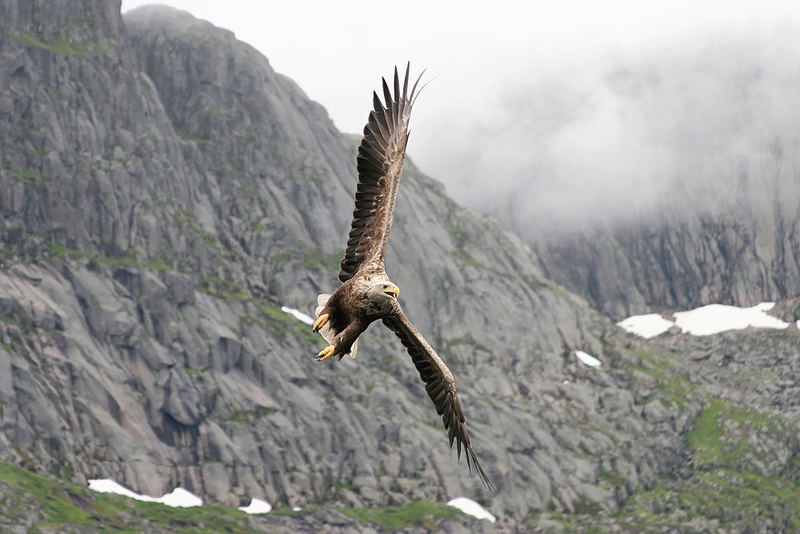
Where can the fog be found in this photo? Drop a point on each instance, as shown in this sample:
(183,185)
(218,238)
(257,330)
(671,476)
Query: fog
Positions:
(706,124)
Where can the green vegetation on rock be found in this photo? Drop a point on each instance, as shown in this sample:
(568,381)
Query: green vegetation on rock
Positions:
(62,505)
(729,444)
(186,136)
(316,259)
(26,176)
(283,324)
(58,45)
(673,386)
(129,259)
(423,513)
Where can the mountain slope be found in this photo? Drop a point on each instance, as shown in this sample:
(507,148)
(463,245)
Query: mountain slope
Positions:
(164,192)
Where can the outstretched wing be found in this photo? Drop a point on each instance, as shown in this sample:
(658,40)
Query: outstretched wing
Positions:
(440,386)
(379,162)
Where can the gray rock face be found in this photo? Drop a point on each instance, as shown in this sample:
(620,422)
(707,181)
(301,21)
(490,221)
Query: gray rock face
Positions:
(163,192)
(682,260)
(737,246)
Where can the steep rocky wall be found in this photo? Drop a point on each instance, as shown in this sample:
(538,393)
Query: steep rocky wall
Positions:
(741,254)
(86,141)
(163,192)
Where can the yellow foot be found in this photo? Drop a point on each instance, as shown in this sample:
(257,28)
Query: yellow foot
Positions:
(325,353)
(320,322)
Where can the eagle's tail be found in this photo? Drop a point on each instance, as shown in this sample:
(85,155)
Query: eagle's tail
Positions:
(327,331)
(322,300)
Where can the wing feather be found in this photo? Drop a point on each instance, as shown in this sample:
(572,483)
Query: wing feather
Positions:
(387,95)
(379,162)
(440,386)
(405,87)
(399,107)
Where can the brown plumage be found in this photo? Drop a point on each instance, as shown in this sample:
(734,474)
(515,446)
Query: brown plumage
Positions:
(366,293)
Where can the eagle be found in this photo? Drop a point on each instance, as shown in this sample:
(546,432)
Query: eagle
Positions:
(367,294)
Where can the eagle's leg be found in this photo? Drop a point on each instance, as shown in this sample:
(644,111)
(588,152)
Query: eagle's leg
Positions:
(326,353)
(321,321)
(343,342)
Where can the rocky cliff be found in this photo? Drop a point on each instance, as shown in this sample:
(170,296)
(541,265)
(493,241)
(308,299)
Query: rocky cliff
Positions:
(164,193)
(741,253)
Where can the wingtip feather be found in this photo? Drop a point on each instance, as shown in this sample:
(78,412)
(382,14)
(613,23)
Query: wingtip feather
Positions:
(414,88)
(387,95)
(405,81)
(481,473)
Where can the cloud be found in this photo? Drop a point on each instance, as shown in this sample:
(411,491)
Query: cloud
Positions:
(702,125)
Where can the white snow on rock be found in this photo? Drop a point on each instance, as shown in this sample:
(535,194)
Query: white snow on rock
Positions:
(179,498)
(706,320)
(647,326)
(300,316)
(716,318)
(256,506)
(588,359)
(107,485)
(470,507)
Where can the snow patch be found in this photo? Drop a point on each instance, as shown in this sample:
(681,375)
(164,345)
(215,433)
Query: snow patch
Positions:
(706,320)
(470,507)
(179,498)
(588,359)
(646,326)
(256,506)
(300,316)
(716,318)
(107,485)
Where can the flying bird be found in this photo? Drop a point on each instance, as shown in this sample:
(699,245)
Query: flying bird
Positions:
(367,294)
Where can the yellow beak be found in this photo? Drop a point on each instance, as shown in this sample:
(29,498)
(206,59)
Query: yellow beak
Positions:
(393,291)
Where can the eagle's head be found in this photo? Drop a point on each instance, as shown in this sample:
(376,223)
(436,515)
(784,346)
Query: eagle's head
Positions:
(382,296)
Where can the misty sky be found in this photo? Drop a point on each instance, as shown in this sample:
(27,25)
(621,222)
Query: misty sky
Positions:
(567,107)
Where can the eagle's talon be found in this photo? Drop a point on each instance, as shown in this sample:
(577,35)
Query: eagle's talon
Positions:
(320,322)
(325,353)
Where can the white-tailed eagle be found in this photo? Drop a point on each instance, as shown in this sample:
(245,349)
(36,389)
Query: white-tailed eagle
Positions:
(366,293)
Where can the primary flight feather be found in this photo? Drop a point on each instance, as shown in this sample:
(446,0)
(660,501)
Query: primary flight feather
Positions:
(366,293)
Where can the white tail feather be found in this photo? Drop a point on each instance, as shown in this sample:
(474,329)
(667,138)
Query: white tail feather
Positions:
(322,300)
(327,331)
